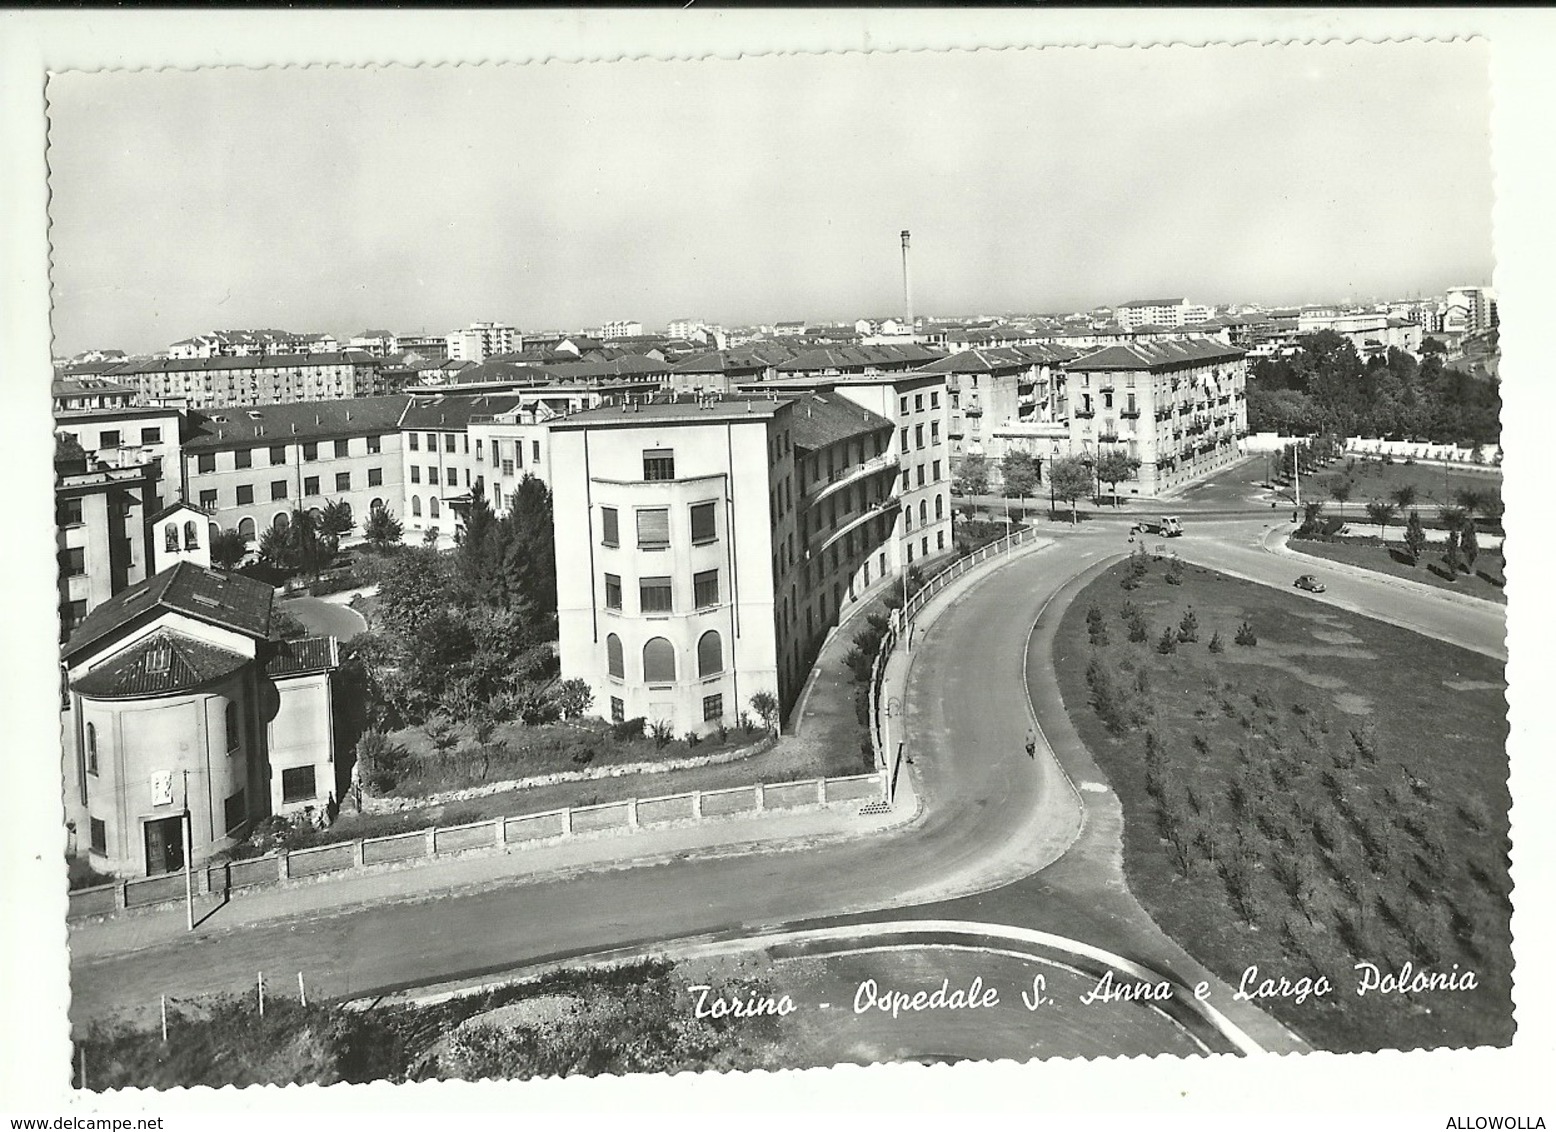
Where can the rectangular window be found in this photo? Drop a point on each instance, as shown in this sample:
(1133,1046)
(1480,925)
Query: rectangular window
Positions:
(518,452)
(342,481)
(535,451)
(151,436)
(654,595)
(712,708)
(659,464)
(448,442)
(921,475)
(415,441)
(235,810)
(653,528)
(99,835)
(245,494)
(205,462)
(507,467)
(432,475)
(68,513)
(432,442)
(342,448)
(618,710)
(704,523)
(934,432)
(705,588)
(208,500)
(934,400)
(108,438)
(73,561)
(904,405)
(918,436)
(375,445)
(610,528)
(904,440)
(243,458)
(478,448)
(918,402)
(277,489)
(277,455)
(310,451)
(453,477)
(415,473)
(612,591)
(297,784)
(375,477)
(311,485)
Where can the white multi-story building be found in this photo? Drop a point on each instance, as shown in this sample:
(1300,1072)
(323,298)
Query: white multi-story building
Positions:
(1178,406)
(202,383)
(1469,309)
(482,340)
(1160,312)
(378,343)
(620,328)
(706,545)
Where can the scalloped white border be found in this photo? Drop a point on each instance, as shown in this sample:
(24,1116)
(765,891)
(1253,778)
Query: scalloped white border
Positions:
(1431,1087)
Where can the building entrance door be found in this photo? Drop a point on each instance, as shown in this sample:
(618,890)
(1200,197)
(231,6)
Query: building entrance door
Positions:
(164,845)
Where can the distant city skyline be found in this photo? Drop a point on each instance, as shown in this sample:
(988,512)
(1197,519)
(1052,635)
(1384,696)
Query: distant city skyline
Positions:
(761,190)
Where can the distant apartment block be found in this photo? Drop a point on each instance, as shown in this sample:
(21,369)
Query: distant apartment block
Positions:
(1469,310)
(80,394)
(1161,312)
(1178,406)
(620,328)
(378,343)
(217,382)
(251,343)
(481,340)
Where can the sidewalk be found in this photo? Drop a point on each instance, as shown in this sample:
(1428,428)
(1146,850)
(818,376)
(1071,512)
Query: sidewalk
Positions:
(1274,542)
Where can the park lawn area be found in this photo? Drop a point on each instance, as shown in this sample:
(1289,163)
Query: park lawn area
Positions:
(1386,560)
(1332,795)
(1372,479)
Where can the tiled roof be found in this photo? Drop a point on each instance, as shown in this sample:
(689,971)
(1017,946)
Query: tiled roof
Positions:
(252,361)
(230,600)
(302,656)
(986,359)
(248,426)
(720,361)
(161,664)
(1157,355)
(1153,303)
(452,411)
(822,419)
(180,505)
(668,409)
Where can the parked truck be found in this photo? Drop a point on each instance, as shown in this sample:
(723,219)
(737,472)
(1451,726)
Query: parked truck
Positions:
(1168,526)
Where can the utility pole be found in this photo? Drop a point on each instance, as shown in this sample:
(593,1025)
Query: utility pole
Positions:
(1296,476)
(188,831)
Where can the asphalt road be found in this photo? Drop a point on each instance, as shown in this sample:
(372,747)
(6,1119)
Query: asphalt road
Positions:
(324,617)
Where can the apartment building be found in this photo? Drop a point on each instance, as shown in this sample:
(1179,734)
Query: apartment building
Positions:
(87,394)
(705,545)
(620,328)
(1161,312)
(1177,406)
(219,382)
(991,389)
(246,343)
(251,467)
(442,467)
(481,340)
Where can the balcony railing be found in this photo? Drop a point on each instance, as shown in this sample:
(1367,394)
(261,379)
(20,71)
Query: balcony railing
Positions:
(1130,414)
(886,461)
(1085,414)
(822,540)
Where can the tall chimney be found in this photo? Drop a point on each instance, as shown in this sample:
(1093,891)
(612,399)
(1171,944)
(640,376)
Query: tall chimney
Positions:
(907,282)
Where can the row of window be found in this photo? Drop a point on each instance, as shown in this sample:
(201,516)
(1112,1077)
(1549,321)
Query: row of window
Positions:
(918,435)
(659,659)
(918,402)
(653,526)
(452,478)
(114,438)
(656,594)
(433,507)
(244,457)
(712,708)
(933,477)
(244,493)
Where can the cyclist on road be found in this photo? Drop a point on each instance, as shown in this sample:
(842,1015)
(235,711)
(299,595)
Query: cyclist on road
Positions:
(1031,744)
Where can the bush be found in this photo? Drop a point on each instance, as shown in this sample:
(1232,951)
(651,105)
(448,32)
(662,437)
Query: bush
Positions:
(1167,644)
(1129,612)
(380,763)
(1245,635)
(1188,627)
(1099,635)
(1139,631)
(662,732)
(628,729)
(1216,644)
(1105,697)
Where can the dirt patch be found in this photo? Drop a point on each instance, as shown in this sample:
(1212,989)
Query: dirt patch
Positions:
(1339,637)
(1352,704)
(1470,686)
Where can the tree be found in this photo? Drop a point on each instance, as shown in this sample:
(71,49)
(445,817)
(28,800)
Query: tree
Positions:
(1116,465)
(1340,492)
(972,476)
(1069,479)
(382,529)
(1382,514)
(1404,497)
(765,704)
(1415,537)
(1451,555)
(1020,472)
(335,522)
(228,549)
(1470,500)
(574,697)
(276,548)
(1469,543)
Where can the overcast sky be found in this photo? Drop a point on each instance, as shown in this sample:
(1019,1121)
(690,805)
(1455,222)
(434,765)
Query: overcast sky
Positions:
(564,194)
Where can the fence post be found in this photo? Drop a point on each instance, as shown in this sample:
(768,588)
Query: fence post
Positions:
(121,895)
(761,799)
(696,805)
(432,841)
(567,821)
(499,831)
(359,858)
(632,813)
(823,785)
(283,865)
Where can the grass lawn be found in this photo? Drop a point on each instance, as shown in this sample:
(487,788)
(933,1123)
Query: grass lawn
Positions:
(1372,479)
(1383,560)
(1334,794)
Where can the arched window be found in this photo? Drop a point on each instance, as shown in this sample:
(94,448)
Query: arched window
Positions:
(377,505)
(416,506)
(191,535)
(907,515)
(170,538)
(659,662)
(432,507)
(614,663)
(246,529)
(710,654)
(281,521)
(923,511)
(232,727)
(213,530)
(940,507)
(91,747)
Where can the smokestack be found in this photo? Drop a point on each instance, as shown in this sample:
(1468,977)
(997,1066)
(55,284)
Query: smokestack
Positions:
(907,282)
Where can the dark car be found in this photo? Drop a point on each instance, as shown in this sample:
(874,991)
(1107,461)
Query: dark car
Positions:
(1309,583)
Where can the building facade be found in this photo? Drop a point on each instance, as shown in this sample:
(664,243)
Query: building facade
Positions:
(219,382)
(481,340)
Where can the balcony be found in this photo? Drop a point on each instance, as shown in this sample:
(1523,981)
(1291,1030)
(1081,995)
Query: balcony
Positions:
(1085,414)
(1130,414)
(1107,438)
(886,461)
(821,541)
(972,409)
